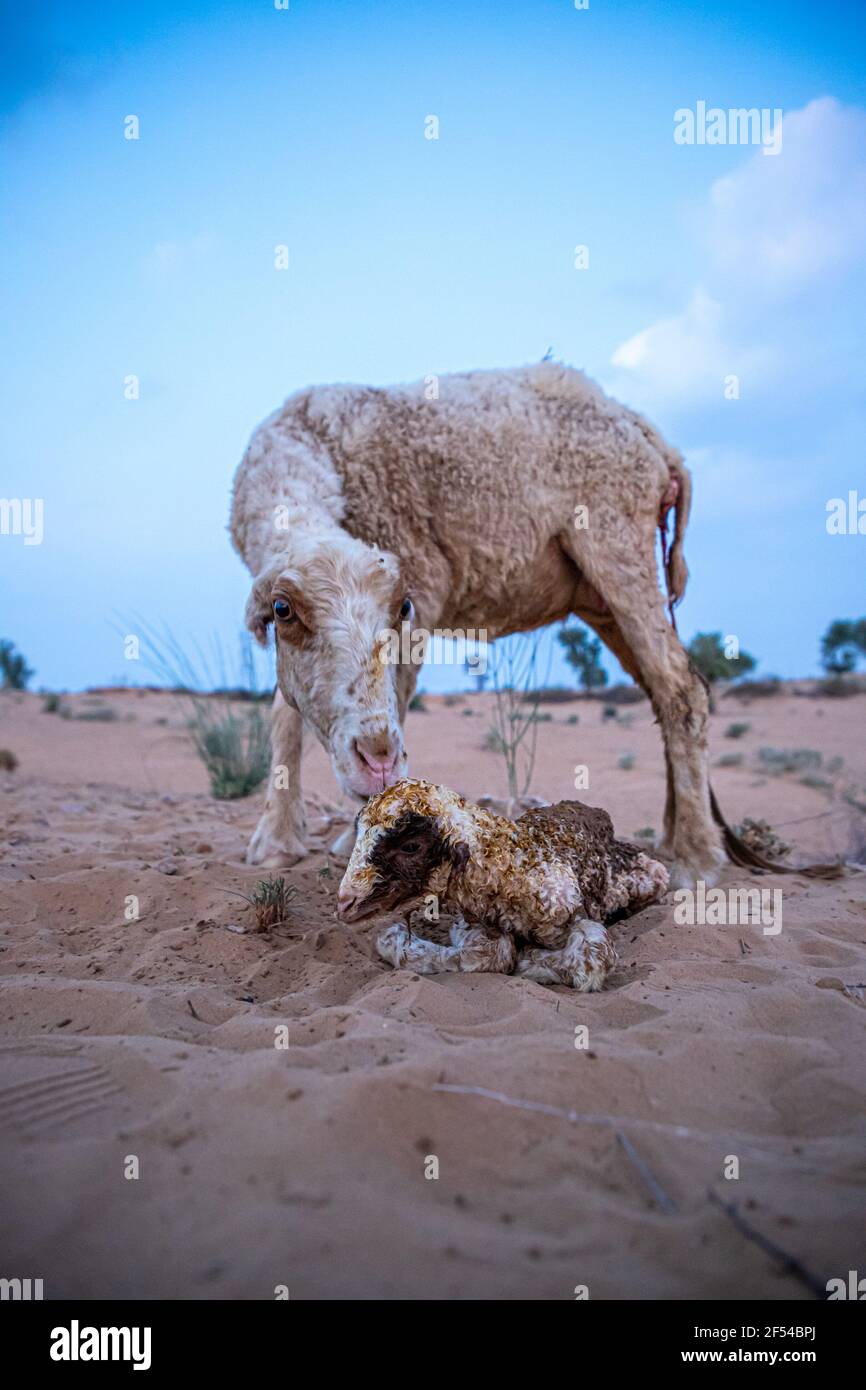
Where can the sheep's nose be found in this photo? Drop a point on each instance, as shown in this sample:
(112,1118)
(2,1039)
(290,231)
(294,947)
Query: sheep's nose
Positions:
(345,901)
(380,752)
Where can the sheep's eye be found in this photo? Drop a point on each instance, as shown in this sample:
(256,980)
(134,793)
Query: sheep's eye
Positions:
(283,610)
(407,609)
(410,847)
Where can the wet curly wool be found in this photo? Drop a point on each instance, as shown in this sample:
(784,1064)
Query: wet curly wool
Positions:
(532,896)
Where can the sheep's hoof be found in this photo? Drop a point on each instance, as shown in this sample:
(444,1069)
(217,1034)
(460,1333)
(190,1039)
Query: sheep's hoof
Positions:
(272,851)
(686,875)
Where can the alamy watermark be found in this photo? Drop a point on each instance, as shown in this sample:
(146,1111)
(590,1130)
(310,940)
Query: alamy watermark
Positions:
(410,646)
(77,1343)
(737,126)
(23,516)
(846,516)
(729,907)
(20,1290)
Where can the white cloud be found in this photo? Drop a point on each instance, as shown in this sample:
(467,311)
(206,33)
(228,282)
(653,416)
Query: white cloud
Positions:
(779,224)
(778,239)
(690,353)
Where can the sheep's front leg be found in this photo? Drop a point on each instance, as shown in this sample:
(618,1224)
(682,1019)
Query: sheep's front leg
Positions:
(471,949)
(278,840)
(583,963)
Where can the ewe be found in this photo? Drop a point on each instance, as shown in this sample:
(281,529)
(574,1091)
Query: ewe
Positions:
(512,500)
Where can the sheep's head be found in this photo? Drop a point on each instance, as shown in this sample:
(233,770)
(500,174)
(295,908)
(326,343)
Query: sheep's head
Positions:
(409,840)
(330,599)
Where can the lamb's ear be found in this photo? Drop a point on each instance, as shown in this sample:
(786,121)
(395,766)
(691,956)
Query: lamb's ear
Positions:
(259,610)
(460,855)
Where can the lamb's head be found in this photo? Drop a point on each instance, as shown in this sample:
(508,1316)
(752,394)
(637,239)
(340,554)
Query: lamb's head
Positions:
(409,840)
(331,598)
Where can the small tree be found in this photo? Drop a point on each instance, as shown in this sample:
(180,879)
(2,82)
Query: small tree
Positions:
(13,668)
(514,732)
(842,645)
(583,653)
(707,651)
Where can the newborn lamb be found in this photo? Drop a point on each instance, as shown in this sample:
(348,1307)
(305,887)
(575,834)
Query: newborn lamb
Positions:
(531,895)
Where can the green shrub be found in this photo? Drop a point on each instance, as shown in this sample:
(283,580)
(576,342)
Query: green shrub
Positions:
(550,695)
(839,687)
(818,784)
(493,742)
(777,761)
(623,694)
(755,690)
(13,667)
(271,902)
(235,748)
(843,645)
(707,651)
(737,730)
(760,836)
(583,653)
(233,744)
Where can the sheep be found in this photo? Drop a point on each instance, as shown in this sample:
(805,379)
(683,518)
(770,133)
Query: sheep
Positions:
(501,501)
(532,896)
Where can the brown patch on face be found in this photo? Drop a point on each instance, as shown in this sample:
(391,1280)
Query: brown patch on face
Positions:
(296,629)
(404,859)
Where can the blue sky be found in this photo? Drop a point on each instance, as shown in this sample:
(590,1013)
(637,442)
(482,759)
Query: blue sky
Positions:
(409,256)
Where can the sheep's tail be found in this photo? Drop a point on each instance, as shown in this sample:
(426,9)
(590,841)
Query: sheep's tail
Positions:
(677,495)
(740,853)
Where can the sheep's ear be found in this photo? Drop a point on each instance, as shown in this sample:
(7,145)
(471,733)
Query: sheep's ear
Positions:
(460,854)
(259,610)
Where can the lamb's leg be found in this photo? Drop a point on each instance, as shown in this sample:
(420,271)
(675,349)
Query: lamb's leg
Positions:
(583,963)
(471,949)
(278,840)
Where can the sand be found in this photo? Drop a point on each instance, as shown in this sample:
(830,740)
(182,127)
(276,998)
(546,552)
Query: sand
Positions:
(303,1167)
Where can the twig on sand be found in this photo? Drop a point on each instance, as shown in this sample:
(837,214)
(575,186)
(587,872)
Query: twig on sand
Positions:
(659,1196)
(790,1264)
(574,1117)
(614,1122)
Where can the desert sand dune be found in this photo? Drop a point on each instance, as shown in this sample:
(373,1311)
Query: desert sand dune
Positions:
(304,1166)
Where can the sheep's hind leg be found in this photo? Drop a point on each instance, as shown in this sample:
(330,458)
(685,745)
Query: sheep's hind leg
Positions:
(471,949)
(583,963)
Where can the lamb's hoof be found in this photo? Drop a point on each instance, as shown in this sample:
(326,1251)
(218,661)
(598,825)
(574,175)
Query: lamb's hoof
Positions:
(391,944)
(272,851)
(344,843)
